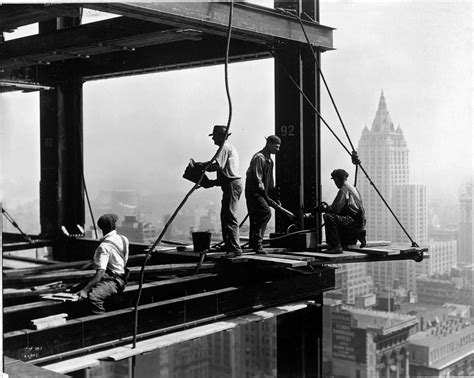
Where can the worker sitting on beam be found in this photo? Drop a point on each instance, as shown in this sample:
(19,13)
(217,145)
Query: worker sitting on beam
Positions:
(110,259)
(345,219)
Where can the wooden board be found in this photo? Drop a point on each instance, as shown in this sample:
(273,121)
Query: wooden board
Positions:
(275,260)
(291,256)
(80,275)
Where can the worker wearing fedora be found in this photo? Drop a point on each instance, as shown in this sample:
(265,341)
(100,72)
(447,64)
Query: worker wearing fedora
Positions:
(226,164)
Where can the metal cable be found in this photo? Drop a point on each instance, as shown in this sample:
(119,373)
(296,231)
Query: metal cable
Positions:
(14,224)
(89,204)
(196,186)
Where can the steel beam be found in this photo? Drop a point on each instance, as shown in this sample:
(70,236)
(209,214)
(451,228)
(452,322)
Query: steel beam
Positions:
(298,127)
(249,21)
(80,42)
(61,150)
(299,340)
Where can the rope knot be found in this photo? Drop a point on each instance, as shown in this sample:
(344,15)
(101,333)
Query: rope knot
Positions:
(355,158)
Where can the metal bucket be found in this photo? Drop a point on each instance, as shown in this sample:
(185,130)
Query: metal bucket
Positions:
(201,240)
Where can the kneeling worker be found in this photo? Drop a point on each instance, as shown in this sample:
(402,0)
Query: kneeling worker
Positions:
(110,259)
(345,218)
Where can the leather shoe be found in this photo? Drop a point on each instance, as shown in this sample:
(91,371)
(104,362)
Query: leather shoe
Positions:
(334,250)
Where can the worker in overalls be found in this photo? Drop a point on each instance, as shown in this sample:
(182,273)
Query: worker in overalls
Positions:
(110,259)
(345,218)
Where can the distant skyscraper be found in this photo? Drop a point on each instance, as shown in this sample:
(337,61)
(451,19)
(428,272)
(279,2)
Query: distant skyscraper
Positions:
(384,153)
(465,226)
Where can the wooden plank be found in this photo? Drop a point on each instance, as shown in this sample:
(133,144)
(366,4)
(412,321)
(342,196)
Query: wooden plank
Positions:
(29,259)
(69,276)
(274,260)
(293,256)
(15,368)
(51,267)
(326,256)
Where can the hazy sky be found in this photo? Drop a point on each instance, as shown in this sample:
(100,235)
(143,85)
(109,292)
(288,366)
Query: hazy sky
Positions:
(141,131)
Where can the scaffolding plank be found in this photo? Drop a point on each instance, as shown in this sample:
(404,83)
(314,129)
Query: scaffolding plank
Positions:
(75,275)
(275,260)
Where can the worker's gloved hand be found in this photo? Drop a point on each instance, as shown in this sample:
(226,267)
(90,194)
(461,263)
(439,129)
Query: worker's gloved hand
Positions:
(273,194)
(199,165)
(209,183)
(321,208)
(82,294)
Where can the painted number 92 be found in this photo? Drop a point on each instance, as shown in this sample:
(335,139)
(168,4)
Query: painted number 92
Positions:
(287,130)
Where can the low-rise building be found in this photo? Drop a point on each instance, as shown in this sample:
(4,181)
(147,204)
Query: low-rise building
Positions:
(443,351)
(363,343)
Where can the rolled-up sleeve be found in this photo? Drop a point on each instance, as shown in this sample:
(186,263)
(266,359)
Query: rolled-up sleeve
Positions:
(338,203)
(101,258)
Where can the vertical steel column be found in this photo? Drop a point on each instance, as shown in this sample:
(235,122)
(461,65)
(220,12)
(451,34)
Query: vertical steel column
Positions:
(299,342)
(298,163)
(61,150)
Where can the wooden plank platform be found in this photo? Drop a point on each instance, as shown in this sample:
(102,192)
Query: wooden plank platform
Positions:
(287,262)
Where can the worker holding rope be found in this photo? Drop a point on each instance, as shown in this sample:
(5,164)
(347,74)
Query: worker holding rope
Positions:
(345,219)
(226,164)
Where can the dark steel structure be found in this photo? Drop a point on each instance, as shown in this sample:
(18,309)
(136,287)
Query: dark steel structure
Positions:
(153,37)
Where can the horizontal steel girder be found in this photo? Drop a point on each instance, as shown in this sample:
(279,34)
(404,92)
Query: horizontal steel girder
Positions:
(248,21)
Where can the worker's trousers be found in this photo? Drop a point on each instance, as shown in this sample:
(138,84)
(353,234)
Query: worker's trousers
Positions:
(341,230)
(103,290)
(231,191)
(259,216)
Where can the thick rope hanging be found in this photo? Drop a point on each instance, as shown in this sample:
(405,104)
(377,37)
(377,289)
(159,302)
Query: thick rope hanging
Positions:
(196,186)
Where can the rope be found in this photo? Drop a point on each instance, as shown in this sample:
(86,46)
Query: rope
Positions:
(196,186)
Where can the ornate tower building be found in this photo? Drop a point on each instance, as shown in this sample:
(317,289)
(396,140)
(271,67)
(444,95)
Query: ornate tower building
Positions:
(384,154)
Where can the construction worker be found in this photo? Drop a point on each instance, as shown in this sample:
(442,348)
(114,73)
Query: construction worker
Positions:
(226,164)
(110,259)
(258,185)
(344,219)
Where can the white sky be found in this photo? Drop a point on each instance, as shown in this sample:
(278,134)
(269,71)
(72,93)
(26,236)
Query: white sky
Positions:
(140,131)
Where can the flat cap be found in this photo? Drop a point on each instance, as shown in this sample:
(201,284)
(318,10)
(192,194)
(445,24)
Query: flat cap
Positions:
(107,221)
(341,173)
(273,139)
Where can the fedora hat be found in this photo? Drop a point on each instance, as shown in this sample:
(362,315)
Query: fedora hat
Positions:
(219,129)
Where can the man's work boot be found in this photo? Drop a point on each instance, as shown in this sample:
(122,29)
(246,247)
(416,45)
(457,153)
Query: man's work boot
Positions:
(333,250)
(259,250)
(361,237)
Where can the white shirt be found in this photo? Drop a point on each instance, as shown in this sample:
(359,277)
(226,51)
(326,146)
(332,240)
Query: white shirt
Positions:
(228,161)
(107,256)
